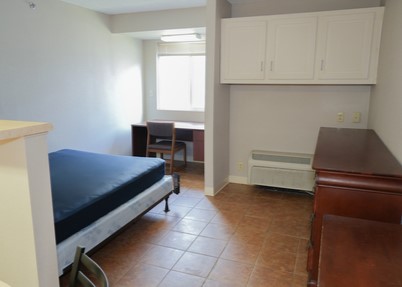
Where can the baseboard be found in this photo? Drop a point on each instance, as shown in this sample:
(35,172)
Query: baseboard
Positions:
(210,191)
(238,179)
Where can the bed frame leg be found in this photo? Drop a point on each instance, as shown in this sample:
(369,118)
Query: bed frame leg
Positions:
(167,204)
(176,190)
(176,183)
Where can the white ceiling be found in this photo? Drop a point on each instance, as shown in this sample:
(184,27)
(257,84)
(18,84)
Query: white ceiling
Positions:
(112,7)
(132,6)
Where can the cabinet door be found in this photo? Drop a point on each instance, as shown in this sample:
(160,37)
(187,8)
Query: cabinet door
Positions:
(345,46)
(291,48)
(243,50)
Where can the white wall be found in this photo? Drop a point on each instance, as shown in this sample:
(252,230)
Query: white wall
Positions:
(386,101)
(217,103)
(60,64)
(288,117)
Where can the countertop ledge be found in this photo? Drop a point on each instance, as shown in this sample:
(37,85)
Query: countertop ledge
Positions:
(16,129)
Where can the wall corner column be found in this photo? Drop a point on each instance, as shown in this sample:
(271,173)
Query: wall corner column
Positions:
(27,241)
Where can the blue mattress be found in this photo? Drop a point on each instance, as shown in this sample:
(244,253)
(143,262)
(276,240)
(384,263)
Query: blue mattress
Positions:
(85,186)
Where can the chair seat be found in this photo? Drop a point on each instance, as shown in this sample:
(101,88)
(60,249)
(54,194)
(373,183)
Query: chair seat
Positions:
(166,145)
(166,133)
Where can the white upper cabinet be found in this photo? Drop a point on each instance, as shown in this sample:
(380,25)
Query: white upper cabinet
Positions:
(335,47)
(244,46)
(291,48)
(345,50)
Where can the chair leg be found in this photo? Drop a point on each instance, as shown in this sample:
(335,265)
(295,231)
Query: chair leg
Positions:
(185,156)
(171,163)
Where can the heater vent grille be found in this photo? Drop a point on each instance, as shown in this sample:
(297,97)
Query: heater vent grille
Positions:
(279,169)
(281,158)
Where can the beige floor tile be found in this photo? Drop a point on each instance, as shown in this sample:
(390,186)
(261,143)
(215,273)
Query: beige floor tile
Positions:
(231,218)
(190,226)
(143,275)
(266,277)
(260,223)
(188,201)
(218,231)
(281,242)
(290,226)
(231,272)
(246,235)
(201,214)
(162,256)
(195,264)
(214,283)
(208,246)
(277,260)
(177,240)
(178,279)
(241,252)
(177,211)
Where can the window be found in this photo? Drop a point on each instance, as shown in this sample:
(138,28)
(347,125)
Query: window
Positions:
(181,76)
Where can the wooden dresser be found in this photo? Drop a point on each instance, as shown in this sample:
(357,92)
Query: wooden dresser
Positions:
(360,253)
(356,176)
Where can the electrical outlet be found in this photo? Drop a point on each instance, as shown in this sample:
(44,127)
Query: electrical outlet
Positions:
(340,117)
(356,117)
(240,166)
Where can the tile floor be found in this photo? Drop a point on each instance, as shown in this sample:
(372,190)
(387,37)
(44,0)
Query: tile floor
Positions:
(244,236)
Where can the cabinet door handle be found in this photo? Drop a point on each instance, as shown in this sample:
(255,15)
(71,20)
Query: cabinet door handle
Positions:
(262,66)
(322,65)
(271,66)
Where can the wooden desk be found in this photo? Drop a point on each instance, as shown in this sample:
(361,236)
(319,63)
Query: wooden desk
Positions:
(356,176)
(185,131)
(360,253)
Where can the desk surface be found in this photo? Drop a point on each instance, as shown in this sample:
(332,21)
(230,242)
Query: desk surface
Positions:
(179,125)
(360,253)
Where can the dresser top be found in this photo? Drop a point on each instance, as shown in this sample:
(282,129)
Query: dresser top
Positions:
(354,151)
(359,252)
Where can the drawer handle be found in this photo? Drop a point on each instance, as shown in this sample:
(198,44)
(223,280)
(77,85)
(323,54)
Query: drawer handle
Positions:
(312,217)
(310,244)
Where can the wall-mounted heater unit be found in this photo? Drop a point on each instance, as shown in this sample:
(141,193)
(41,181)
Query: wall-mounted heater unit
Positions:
(279,169)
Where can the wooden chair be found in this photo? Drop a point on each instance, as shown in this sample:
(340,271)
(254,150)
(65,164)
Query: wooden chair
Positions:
(78,277)
(167,144)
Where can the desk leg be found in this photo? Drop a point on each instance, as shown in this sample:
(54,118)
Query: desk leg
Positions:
(138,140)
(198,145)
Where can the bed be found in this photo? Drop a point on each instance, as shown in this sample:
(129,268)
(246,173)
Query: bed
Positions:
(94,195)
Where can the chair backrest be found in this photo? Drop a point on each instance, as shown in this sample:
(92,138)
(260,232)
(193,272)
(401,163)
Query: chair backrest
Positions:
(91,268)
(162,130)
